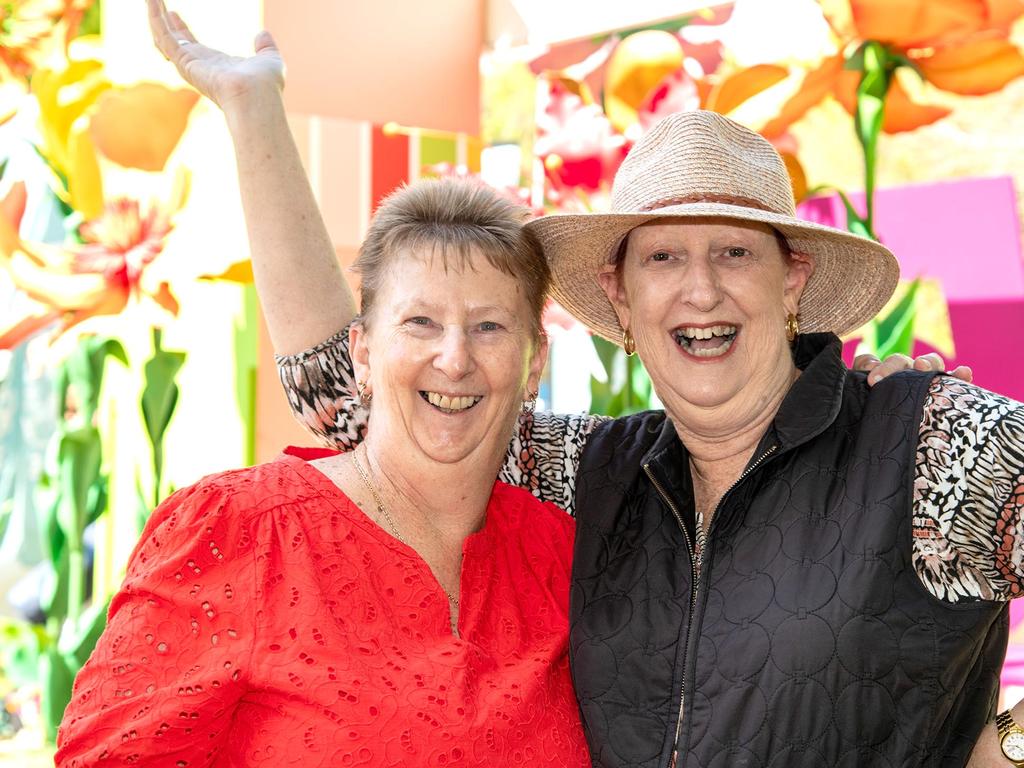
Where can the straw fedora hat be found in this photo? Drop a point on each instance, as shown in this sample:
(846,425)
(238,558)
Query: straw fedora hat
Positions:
(700,163)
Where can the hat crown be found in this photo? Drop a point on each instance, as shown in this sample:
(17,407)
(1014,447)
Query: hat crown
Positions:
(701,156)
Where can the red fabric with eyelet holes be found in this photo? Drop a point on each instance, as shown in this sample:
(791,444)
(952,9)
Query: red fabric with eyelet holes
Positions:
(265,620)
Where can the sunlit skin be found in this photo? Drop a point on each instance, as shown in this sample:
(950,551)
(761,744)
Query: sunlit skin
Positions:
(701,273)
(457,332)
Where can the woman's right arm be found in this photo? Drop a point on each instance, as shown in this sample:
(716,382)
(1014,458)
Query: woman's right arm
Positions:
(302,292)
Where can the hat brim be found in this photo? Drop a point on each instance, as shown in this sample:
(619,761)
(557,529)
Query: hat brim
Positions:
(853,276)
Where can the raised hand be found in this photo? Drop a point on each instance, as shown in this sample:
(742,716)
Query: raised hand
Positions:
(223,79)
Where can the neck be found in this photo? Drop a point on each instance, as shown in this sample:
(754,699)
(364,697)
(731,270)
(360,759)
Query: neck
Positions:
(721,439)
(451,499)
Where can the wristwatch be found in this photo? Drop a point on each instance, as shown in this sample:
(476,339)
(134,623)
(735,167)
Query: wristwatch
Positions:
(1011,739)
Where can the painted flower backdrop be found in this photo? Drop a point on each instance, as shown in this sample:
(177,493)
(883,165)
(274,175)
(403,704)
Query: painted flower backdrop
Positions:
(86,127)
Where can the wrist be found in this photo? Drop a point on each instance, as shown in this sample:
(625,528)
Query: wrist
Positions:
(253,107)
(1011,739)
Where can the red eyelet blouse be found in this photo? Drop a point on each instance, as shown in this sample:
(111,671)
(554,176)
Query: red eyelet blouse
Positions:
(265,620)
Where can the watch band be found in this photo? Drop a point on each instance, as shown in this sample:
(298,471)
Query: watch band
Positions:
(1011,739)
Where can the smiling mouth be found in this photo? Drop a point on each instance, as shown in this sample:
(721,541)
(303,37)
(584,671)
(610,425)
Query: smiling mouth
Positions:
(450,403)
(706,342)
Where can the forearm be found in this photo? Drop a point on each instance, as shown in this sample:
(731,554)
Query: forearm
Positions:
(304,295)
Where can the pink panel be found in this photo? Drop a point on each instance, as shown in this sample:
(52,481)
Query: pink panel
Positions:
(966,233)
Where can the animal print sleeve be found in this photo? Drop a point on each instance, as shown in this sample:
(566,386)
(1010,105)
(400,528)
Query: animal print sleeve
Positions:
(545,453)
(969,494)
(542,457)
(320,384)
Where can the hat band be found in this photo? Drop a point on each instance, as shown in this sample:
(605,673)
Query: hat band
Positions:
(742,202)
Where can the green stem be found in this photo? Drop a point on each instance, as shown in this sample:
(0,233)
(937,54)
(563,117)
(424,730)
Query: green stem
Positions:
(877,68)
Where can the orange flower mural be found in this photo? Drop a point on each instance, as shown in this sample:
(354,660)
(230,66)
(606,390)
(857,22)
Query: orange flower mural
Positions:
(960,46)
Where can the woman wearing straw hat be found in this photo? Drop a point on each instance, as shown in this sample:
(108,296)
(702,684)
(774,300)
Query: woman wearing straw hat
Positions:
(783,567)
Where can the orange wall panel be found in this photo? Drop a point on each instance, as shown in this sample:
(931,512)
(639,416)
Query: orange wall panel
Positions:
(407,61)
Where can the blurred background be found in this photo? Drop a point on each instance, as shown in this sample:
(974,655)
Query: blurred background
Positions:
(133,359)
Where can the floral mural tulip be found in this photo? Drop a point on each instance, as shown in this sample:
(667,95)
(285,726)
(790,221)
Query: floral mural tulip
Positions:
(578,145)
(67,285)
(83,117)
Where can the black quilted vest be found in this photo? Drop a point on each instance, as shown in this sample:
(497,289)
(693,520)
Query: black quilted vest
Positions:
(808,639)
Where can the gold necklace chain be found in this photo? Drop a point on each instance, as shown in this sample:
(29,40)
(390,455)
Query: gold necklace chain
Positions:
(382,510)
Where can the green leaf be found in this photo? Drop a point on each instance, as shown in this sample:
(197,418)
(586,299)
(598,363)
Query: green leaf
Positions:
(159,399)
(894,334)
(57,679)
(91,20)
(77,639)
(54,592)
(79,454)
(628,388)
(83,374)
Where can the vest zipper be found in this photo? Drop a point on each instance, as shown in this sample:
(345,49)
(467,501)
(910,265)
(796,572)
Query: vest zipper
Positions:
(693,599)
(696,572)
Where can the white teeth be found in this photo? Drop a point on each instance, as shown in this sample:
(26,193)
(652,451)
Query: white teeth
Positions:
(707,333)
(446,403)
(687,335)
(716,352)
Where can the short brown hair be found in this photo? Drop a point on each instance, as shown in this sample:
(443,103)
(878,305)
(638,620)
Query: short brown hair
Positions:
(451,217)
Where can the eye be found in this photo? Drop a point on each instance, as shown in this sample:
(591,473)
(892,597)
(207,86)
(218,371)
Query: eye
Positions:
(660,256)
(737,252)
(489,326)
(423,322)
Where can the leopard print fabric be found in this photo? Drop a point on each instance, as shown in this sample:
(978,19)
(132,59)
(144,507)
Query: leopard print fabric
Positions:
(969,494)
(968,488)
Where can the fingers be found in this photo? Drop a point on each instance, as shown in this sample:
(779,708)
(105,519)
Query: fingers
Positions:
(892,364)
(929,362)
(160,28)
(963,372)
(179,28)
(264,41)
(865,362)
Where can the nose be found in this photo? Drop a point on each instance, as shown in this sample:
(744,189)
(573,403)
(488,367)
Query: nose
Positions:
(454,357)
(701,286)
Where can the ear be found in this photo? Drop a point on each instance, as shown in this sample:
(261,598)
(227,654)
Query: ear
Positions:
(537,362)
(359,351)
(610,280)
(799,269)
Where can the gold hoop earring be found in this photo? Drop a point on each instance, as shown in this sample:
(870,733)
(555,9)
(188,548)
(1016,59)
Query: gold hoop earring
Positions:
(792,327)
(365,395)
(628,343)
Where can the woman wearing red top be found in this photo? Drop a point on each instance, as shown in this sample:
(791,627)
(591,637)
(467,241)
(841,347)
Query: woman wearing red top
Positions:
(393,605)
